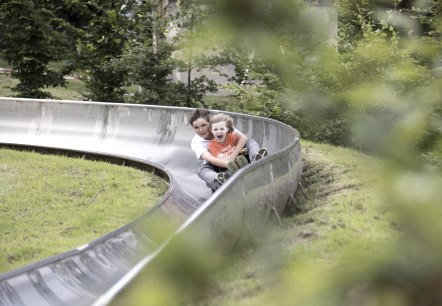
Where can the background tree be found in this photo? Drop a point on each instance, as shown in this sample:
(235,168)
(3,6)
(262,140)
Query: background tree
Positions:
(34,35)
(102,40)
(148,58)
(295,75)
(192,49)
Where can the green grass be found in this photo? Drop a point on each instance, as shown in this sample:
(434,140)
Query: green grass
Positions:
(3,63)
(51,204)
(72,91)
(5,85)
(343,213)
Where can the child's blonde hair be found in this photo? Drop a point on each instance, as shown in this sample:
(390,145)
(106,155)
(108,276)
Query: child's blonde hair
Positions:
(220,117)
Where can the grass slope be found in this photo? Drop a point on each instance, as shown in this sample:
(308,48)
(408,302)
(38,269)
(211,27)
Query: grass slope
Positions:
(51,204)
(341,215)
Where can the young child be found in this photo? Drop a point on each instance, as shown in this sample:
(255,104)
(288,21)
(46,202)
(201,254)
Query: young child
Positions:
(225,141)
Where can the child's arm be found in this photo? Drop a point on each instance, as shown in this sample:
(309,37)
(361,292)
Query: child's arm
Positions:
(242,140)
(208,157)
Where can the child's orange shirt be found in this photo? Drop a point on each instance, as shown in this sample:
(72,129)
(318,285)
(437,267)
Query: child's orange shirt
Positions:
(223,150)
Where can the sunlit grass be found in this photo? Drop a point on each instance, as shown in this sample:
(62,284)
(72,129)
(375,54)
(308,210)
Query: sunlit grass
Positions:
(73,90)
(6,83)
(342,212)
(51,204)
(3,63)
(346,243)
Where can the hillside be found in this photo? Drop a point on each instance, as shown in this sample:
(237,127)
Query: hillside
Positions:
(338,220)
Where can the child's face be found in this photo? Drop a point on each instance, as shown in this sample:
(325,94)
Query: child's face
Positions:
(219,131)
(202,128)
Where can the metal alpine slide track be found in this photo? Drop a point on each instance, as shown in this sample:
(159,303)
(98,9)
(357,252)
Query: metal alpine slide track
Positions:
(154,138)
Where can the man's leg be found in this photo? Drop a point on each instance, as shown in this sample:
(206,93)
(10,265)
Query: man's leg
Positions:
(254,150)
(208,173)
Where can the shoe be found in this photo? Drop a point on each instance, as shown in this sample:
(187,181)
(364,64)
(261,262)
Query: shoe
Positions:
(260,154)
(222,177)
(241,161)
(232,167)
(244,152)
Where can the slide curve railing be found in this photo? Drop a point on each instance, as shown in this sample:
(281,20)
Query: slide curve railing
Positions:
(148,137)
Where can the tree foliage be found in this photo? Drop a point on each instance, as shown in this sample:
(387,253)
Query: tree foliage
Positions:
(192,46)
(284,64)
(34,34)
(345,93)
(103,37)
(148,58)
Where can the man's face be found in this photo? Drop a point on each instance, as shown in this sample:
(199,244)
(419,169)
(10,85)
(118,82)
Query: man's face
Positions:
(202,128)
(219,131)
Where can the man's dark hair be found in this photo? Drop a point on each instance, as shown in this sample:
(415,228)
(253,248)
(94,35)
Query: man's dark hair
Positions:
(199,113)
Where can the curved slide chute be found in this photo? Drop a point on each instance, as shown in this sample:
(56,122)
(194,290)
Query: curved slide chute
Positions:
(149,137)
